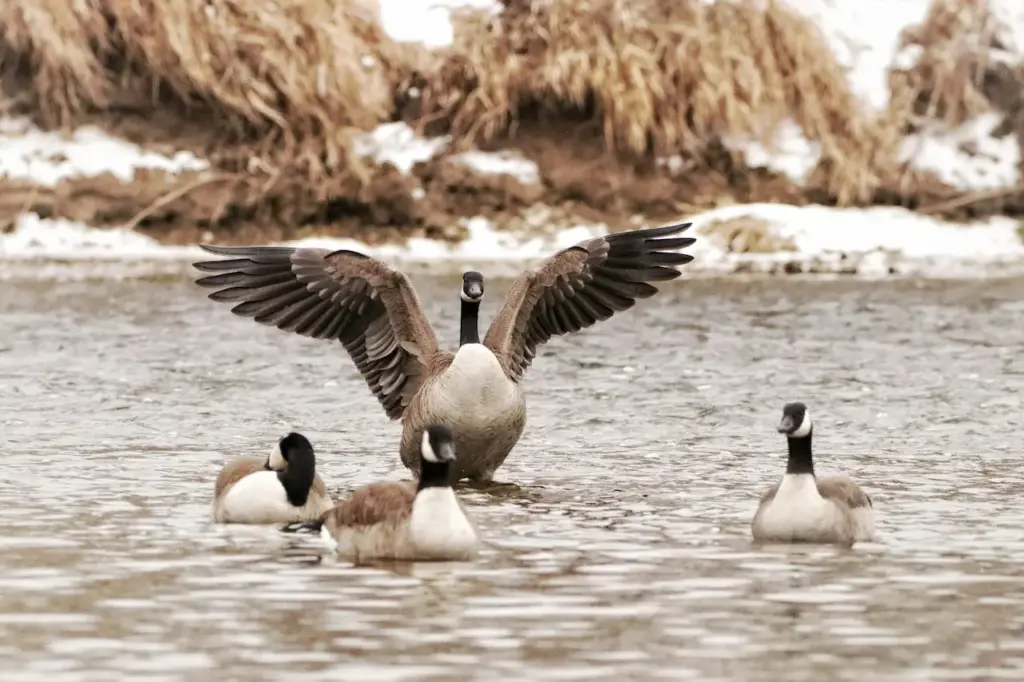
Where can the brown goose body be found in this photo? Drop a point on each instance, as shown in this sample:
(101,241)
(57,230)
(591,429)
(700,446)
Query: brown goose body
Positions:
(374,311)
(398,520)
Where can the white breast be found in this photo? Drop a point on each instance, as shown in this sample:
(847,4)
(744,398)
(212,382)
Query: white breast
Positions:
(260,498)
(475,383)
(799,513)
(438,527)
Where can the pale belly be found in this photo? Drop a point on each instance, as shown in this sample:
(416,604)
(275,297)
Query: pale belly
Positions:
(486,411)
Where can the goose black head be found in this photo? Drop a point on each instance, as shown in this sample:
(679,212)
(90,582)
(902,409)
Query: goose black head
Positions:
(294,444)
(796,421)
(292,447)
(438,444)
(472,286)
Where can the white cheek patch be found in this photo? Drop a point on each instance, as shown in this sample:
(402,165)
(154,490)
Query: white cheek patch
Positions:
(428,451)
(804,429)
(276,460)
(467,299)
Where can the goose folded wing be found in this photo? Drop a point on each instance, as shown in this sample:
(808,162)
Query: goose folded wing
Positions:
(235,470)
(843,490)
(582,285)
(388,502)
(370,307)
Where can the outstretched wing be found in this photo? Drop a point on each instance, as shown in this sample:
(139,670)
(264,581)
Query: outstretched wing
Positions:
(367,305)
(581,285)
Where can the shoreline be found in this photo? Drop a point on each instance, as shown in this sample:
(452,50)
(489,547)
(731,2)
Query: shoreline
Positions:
(417,146)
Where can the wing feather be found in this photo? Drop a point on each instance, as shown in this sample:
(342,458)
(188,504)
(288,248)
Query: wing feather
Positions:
(580,286)
(346,296)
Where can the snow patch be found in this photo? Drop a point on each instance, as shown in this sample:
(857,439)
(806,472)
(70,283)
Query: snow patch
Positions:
(35,238)
(789,151)
(501,163)
(46,158)
(864,36)
(868,241)
(398,144)
(1009,16)
(967,157)
(427,21)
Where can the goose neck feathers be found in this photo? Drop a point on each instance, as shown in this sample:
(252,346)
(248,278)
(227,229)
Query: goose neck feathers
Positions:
(469,322)
(437,451)
(801,460)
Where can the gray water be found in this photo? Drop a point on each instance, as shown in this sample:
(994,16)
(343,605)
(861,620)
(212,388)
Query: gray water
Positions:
(623,554)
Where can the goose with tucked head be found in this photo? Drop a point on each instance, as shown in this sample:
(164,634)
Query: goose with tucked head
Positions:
(281,488)
(373,310)
(805,508)
(403,521)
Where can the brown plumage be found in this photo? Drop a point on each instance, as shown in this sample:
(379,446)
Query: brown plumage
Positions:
(404,521)
(388,503)
(236,470)
(373,310)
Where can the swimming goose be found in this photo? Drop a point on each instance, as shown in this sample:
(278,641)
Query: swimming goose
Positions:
(398,520)
(804,508)
(281,488)
(374,311)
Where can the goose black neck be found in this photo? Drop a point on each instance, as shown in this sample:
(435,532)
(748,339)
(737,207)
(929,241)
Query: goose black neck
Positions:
(469,331)
(800,460)
(297,477)
(433,474)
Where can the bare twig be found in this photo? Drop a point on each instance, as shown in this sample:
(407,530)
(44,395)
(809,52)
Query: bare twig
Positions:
(179,192)
(970,198)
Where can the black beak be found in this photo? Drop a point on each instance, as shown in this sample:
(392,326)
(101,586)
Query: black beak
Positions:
(474,290)
(786,425)
(446,453)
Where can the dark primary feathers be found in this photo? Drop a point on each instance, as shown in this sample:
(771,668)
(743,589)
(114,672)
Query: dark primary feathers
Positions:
(374,311)
(581,285)
(369,306)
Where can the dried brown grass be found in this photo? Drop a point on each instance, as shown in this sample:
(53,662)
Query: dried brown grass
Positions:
(747,234)
(291,78)
(279,87)
(663,76)
(953,43)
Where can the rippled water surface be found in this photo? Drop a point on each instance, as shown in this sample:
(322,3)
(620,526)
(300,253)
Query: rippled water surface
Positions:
(625,552)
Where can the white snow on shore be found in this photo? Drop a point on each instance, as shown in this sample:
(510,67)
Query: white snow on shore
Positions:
(46,158)
(870,242)
(398,144)
(967,157)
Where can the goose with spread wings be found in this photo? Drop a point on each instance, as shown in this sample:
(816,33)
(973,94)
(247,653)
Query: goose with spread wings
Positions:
(374,311)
